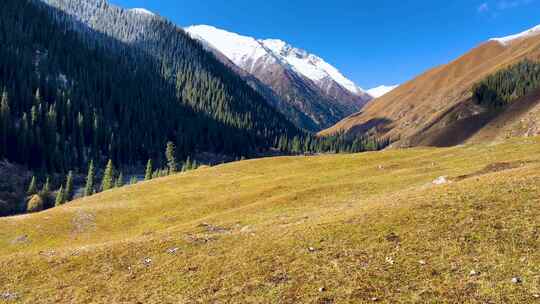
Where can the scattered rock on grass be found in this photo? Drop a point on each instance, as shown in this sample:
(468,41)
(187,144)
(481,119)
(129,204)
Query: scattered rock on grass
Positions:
(422,262)
(214,229)
(441,180)
(23,239)
(322,289)
(390,260)
(48,253)
(311,249)
(147,261)
(392,237)
(474,273)
(247,230)
(8,296)
(517,280)
(173,250)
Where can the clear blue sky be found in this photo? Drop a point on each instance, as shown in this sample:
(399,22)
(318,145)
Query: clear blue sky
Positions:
(371,42)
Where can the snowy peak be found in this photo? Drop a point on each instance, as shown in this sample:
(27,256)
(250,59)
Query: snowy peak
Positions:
(142,11)
(381,90)
(246,51)
(526,34)
(309,65)
(241,50)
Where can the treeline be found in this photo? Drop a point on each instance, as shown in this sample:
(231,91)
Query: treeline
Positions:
(339,143)
(507,85)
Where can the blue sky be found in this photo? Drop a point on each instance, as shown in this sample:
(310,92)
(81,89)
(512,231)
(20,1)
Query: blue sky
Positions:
(371,42)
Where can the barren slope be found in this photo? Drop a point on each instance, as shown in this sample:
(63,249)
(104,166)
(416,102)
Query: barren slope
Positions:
(329,229)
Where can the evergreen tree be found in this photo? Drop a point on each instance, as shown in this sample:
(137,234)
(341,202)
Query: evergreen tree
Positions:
(5,117)
(32,188)
(60,196)
(89,188)
(149,170)
(119,181)
(108,177)
(296,146)
(45,193)
(170,155)
(68,192)
(46,190)
(133,180)
(187,165)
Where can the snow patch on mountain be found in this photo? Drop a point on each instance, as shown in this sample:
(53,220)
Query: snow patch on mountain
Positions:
(381,90)
(243,50)
(142,11)
(508,39)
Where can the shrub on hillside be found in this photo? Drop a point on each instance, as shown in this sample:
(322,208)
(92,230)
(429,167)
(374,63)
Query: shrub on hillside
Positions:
(35,204)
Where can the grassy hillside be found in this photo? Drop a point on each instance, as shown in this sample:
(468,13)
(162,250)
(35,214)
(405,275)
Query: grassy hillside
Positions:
(327,229)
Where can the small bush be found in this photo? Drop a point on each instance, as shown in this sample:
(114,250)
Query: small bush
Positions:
(35,204)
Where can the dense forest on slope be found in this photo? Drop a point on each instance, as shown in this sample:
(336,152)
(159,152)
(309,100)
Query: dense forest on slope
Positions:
(71,94)
(66,101)
(507,85)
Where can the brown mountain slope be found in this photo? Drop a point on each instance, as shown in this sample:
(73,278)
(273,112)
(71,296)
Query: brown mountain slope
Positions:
(469,123)
(437,98)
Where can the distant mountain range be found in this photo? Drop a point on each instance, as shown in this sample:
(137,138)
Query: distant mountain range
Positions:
(437,108)
(311,92)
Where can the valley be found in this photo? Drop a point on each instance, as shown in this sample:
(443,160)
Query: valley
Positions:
(147,160)
(341,228)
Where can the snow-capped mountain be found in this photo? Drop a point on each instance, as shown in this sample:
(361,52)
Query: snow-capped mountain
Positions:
(305,81)
(142,11)
(509,39)
(245,51)
(381,90)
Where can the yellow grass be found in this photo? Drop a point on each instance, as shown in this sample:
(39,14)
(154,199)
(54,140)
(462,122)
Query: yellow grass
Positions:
(327,229)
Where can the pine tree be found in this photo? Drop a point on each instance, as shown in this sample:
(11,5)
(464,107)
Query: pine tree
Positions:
(187,165)
(296,145)
(149,170)
(119,181)
(89,188)
(170,154)
(133,180)
(32,188)
(108,176)
(46,190)
(60,196)
(68,192)
(4,123)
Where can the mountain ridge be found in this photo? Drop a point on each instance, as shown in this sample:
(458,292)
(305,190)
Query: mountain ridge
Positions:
(304,81)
